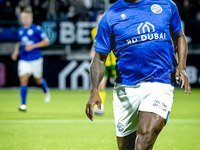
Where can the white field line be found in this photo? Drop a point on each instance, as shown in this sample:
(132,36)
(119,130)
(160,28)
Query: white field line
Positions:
(174,121)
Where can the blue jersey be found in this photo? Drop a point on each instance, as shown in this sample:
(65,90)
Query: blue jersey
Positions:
(29,36)
(139,36)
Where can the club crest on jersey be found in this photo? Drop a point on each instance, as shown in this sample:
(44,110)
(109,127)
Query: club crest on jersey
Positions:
(157,9)
(30,32)
(20,32)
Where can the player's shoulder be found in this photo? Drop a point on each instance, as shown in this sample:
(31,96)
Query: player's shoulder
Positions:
(36,27)
(110,14)
(116,6)
(161,2)
(20,30)
(170,3)
(165,2)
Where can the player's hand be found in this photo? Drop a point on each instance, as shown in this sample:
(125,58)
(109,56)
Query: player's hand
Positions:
(14,56)
(185,83)
(29,47)
(94,99)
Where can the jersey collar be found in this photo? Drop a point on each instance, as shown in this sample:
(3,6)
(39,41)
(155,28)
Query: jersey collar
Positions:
(29,27)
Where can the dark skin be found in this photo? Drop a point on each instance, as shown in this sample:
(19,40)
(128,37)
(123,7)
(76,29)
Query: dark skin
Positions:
(97,70)
(181,46)
(150,124)
(148,129)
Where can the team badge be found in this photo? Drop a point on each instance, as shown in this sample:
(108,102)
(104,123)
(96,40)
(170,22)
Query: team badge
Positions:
(20,32)
(157,9)
(120,127)
(30,32)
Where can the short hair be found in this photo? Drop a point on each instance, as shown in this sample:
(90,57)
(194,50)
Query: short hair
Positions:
(27,10)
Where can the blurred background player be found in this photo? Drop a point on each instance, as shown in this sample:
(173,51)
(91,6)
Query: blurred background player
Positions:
(31,39)
(109,70)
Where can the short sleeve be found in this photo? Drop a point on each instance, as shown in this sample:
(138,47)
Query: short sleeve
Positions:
(102,41)
(40,33)
(175,19)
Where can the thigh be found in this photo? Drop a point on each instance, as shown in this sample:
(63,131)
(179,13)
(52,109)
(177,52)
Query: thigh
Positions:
(149,127)
(127,142)
(38,80)
(150,122)
(37,68)
(24,79)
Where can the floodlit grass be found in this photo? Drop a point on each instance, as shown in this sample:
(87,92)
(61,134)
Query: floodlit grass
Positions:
(63,125)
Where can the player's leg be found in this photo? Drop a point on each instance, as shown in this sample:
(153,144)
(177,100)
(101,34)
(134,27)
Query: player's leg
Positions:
(42,83)
(23,90)
(127,142)
(24,70)
(149,127)
(37,67)
(157,99)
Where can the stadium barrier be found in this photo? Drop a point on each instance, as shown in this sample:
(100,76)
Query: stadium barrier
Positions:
(74,74)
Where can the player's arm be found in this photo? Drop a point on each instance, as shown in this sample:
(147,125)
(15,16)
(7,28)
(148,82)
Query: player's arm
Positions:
(180,45)
(97,70)
(92,51)
(93,34)
(16,51)
(102,48)
(43,43)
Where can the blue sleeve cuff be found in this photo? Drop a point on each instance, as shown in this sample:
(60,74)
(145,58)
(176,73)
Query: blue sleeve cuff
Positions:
(178,30)
(101,50)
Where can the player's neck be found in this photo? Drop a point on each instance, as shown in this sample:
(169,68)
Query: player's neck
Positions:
(132,1)
(27,25)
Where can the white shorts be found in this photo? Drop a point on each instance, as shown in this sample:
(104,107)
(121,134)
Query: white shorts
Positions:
(145,96)
(34,68)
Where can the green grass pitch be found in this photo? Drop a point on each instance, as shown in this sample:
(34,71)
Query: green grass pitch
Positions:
(63,125)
